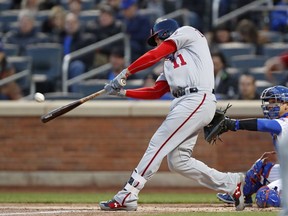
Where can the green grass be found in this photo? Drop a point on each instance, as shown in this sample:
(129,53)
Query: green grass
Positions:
(21,197)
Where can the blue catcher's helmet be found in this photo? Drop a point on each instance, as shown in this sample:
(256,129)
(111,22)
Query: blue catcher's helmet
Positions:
(163,29)
(279,94)
(266,197)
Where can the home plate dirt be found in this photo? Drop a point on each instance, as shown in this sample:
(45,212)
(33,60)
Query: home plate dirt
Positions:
(91,210)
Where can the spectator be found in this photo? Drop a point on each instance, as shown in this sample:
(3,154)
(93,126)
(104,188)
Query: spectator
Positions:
(117,61)
(73,39)
(248,33)
(54,25)
(137,27)
(220,34)
(31,5)
(276,64)
(75,6)
(11,90)
(26,33)
(247,89)
(104,27)
(115,4)
(225,83)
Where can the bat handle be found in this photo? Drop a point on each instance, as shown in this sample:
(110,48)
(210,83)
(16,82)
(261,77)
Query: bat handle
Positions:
(122,82)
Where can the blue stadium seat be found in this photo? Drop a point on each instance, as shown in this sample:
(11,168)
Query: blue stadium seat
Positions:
(236,48)
(90,86)
(46,62)
(262,84)
(63,96)
(247,61)
(21,63)
(11,49)
(272,36)
(86,4)
(258,73)
(5,5)
(7,17)
(274,49)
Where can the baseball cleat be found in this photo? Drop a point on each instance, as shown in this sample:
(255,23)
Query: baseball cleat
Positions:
(226,198)
(238,195)
(113,205)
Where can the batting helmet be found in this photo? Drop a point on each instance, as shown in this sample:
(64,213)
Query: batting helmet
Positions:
(266,197)
(163,29)
(279,94)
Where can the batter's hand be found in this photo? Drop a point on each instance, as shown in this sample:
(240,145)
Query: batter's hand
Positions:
(111,91)
(120,80)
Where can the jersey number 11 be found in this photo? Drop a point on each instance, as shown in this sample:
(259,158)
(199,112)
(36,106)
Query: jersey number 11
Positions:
(182,61)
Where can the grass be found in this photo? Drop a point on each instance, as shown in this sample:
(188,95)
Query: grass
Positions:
(37,197)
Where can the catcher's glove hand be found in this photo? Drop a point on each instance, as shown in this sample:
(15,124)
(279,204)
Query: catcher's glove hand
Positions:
(219,124)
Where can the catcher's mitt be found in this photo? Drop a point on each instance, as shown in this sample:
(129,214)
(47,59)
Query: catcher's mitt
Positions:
(219,124)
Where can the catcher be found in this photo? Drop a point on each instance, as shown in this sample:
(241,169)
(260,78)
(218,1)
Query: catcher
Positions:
(262,179)
(275,110)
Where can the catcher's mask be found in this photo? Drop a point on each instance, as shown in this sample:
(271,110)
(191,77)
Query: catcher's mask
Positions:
(163,29)
(272,98)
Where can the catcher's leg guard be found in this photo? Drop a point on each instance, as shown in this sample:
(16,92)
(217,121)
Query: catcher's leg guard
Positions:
(256,177)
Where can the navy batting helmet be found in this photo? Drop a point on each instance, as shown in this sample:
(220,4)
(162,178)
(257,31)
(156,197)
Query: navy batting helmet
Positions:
(279,94)
(163,29)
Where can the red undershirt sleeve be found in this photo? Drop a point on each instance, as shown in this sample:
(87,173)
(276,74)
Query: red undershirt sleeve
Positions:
(153,56)
(154,92)
(284,58)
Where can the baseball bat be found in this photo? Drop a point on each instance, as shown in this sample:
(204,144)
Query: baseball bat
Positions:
(64,109)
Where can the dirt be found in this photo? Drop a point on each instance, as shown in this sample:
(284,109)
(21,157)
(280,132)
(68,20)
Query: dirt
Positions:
(92,210)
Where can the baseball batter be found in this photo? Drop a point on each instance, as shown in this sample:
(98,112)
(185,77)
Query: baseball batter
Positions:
(188,75)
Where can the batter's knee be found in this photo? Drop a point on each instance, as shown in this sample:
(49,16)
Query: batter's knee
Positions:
(177,164)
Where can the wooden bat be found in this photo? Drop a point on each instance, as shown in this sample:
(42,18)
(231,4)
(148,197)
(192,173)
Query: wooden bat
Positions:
(64,109)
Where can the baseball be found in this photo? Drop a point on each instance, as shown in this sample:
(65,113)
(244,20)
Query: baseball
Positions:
(39,97)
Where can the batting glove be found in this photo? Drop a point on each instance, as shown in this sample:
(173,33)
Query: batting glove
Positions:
(120,80)
(112,91)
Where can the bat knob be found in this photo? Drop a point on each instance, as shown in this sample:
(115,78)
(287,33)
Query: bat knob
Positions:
(123,82)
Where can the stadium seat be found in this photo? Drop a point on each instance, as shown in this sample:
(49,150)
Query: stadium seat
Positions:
(262,84)
(5,5)
(247,61)
(90,86)
(46,62)
(7,17)
(63,96)
(272,36)
(86,4)
(258,73)
(236,48)
(274,49)
(90,15)
(21,63)
(11,49)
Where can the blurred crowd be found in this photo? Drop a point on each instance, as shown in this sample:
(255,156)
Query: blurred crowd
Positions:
(75,24)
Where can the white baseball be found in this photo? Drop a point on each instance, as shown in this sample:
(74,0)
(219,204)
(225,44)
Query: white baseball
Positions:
(39,97)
